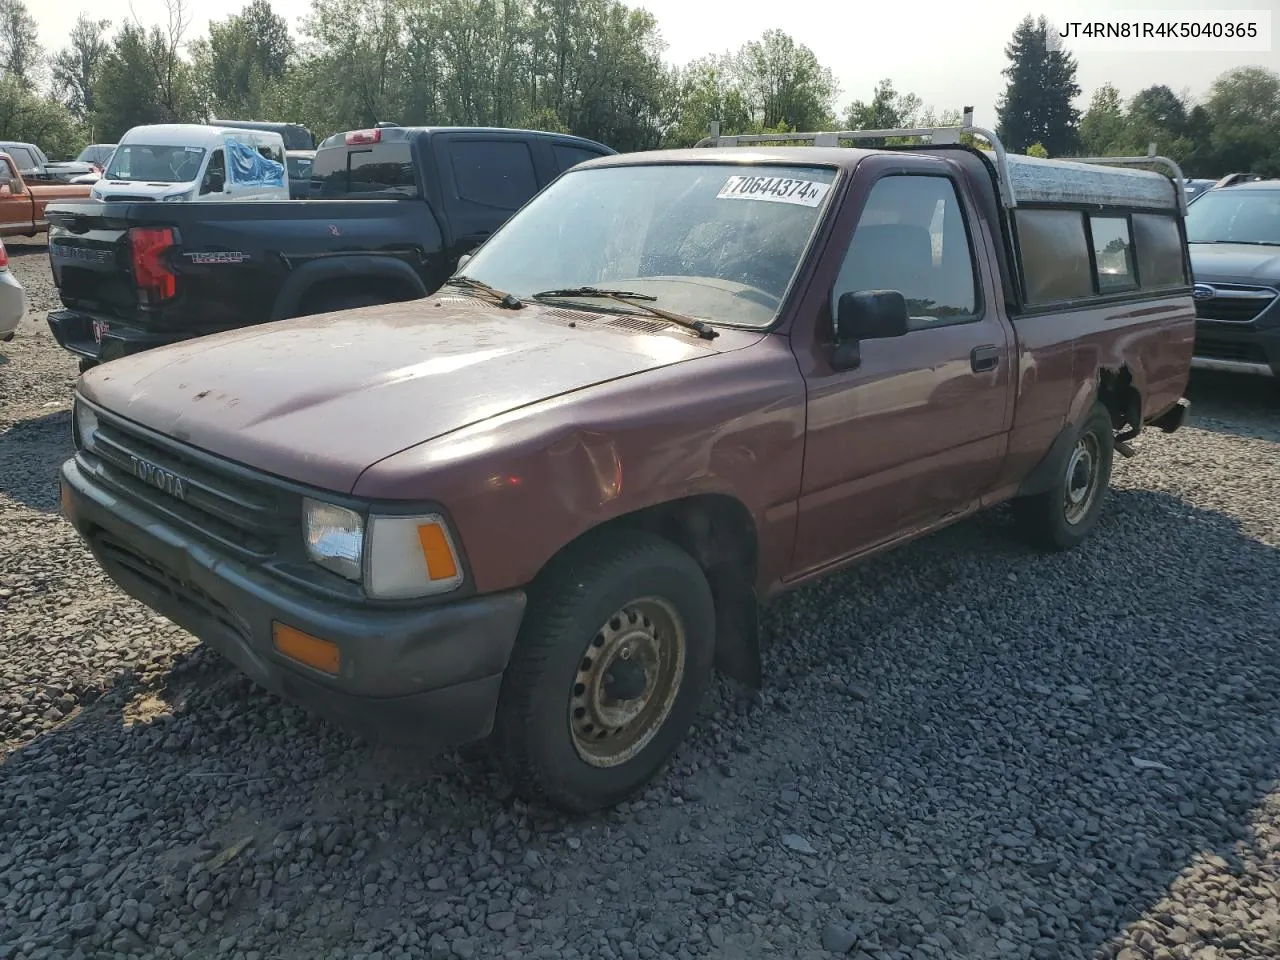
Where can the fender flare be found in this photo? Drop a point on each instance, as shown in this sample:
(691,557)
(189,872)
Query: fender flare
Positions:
(304,279)
(1046,472)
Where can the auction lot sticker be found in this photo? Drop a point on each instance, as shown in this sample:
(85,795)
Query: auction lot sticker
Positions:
(804,193)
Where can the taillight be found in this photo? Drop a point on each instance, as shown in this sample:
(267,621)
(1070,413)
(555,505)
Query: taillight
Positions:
(4,257)
(154,279)
(364,136)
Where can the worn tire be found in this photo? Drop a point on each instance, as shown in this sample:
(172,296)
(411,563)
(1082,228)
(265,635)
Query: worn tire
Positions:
(572,607)
(1044,518)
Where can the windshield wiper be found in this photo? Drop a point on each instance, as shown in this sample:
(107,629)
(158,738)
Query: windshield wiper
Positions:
(700,327)
(507,301)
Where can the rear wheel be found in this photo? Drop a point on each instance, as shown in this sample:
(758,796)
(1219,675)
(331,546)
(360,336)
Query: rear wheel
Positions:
(611,664)
(1062,517)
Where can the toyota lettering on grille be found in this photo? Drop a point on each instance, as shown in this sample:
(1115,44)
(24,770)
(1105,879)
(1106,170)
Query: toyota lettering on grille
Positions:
(161,479)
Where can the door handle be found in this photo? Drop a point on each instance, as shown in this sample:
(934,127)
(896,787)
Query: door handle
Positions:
(986,357)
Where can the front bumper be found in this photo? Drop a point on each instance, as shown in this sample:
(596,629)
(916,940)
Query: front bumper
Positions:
(421,676)
(74,332)
(1237,348)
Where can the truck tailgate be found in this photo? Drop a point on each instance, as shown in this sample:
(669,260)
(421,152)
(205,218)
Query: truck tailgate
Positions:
(89,255)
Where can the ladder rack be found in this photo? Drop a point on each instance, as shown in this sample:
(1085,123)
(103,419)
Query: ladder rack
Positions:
(950,135)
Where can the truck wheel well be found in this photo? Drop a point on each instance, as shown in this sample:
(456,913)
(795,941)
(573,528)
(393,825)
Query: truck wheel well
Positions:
(1118,394)
(720,534)
(349,290)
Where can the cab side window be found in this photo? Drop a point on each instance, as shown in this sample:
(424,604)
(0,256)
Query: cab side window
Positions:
(215,177)
(912,238)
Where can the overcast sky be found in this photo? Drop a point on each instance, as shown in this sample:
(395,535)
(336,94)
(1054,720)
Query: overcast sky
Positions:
(948,52)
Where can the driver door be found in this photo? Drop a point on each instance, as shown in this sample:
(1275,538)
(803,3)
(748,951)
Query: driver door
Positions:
(917,431)
(214,181)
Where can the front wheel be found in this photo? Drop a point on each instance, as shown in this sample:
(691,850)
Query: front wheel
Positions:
(608,672)
(1063,516)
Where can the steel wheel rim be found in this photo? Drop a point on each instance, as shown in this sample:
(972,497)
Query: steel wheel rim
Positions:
(643,643)
(1083,473)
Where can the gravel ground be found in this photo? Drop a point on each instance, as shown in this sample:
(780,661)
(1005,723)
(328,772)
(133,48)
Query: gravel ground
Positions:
(965,750)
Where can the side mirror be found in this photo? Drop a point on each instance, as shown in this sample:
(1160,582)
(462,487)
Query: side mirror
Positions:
(464,260)
(866,315)
(15,186)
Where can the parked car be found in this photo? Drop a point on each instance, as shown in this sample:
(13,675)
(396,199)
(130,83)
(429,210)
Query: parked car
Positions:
(92,160)
(295,135)
(94,176)
(397,207)
(23,205)
(180,162)
(299,163)
(543,503)
(1196,188)
(30,161)
(13,299)
(1234,232)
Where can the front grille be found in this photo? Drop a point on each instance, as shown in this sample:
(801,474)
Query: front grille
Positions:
(1213,349)
(124,564)
(234,507)
(1235,304)
(131,198)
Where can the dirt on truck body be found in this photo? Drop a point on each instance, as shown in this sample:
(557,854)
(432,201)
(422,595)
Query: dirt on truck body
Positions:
(543,505)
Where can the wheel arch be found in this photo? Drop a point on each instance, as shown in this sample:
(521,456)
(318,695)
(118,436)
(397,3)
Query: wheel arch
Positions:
(720,533)
(390,278)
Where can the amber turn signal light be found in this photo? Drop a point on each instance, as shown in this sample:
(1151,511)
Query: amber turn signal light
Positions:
(322,655)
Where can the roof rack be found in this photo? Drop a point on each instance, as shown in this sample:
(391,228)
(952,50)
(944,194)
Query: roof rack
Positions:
(1008,180)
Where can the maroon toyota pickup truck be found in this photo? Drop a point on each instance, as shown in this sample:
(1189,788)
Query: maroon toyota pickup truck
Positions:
(542,505)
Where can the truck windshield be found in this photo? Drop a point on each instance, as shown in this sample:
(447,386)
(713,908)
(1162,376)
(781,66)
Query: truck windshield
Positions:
(155,164)
(1230,215)
(720,242)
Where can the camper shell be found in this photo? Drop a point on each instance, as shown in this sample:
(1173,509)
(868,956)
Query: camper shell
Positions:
(185,162)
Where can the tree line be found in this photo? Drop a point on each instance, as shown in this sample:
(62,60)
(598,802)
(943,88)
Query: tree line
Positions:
(590,67)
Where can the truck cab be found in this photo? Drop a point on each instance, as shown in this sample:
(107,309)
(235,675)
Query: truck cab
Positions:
(542,505)
(195,162)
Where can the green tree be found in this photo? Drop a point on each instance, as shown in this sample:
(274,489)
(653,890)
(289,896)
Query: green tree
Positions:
(783,82)
(1037,150)
(1037,104)
(1244,105)
(144,79)
(29,117)
(243,55)
(21,55)
(704,90)
(75,68)
(888,109)
(1104,128)
(1158,115)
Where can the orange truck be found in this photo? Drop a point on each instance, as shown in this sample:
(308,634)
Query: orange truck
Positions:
(22,204)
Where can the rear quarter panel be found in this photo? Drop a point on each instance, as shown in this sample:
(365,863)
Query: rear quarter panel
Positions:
(1062,355)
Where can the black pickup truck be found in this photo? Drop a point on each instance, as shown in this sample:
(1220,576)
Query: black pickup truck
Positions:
(393,210)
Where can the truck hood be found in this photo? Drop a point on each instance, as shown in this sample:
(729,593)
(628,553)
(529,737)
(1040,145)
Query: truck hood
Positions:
(109,189)
(1240,262)
(319,399)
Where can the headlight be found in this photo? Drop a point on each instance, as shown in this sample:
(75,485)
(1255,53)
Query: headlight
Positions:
(396,558)
(334,537)
(410,557)
(174,197)
(84,424)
